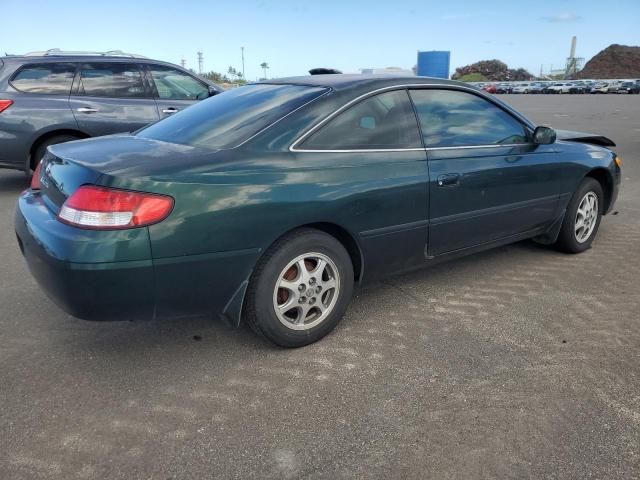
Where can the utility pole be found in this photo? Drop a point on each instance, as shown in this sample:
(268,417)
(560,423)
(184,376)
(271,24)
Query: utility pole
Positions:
(200,58)
(242,50)
(183,62)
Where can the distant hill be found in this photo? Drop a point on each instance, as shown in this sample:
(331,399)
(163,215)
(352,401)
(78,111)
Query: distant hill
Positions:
(615,61)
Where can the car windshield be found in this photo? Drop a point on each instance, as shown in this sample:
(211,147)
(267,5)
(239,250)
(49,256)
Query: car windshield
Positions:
(231,117)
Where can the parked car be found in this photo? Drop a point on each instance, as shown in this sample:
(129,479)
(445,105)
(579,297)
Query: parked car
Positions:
(537,88)
(561,87)
(84,95)
(629,87)
(490,88)
(502,88)
(521,88)
(604,87)
(579,87)
(272,200)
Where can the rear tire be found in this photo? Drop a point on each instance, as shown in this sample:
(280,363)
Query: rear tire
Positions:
(582,217)
(300,288)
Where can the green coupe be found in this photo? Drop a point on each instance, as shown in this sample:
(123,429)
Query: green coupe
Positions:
(271,201)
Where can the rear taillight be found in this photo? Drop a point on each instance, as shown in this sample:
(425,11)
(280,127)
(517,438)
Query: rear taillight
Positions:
(4,104)
(35,179)
(102,208)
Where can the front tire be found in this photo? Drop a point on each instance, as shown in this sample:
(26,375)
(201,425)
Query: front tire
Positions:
(300,288)
(582,217)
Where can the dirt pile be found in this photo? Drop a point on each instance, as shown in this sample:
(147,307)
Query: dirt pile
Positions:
(615,61)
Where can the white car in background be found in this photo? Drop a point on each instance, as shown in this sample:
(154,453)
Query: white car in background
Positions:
(604,87)
(559,88)
(521,88)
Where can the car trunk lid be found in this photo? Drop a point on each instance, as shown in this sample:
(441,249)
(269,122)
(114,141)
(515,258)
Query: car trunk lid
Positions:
(93,161)
(59,178)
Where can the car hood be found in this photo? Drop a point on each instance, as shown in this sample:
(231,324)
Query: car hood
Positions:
(582,137)
(128,154)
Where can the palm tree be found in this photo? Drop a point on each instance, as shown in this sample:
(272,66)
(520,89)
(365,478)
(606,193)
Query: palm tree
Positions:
(264,66)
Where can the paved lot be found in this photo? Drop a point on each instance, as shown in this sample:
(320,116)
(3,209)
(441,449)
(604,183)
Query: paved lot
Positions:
(516,363)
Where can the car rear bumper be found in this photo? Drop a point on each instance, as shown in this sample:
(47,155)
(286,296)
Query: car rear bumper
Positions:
(111,275)
(615,188)
(69,265)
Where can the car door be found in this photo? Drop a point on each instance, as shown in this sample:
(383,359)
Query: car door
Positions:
(374,152)
(174,90)
(487,181)
(110,97)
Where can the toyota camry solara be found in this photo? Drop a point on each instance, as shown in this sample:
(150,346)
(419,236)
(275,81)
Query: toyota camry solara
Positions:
(270,201)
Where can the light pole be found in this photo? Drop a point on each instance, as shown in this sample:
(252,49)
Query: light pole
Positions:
(242,50)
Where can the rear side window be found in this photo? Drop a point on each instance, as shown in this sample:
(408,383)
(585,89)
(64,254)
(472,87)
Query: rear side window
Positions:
(45,78)
(382,122)
(451,118)
(118,80)
(176,85)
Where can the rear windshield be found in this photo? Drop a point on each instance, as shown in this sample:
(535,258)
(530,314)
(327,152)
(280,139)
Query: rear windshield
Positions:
(229,118)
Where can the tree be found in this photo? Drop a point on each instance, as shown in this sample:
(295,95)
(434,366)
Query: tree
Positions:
(264,66)
(493,70)
(472,77)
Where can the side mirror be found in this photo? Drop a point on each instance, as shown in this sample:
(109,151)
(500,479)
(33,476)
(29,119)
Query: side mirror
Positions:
(213,91)
(544,135)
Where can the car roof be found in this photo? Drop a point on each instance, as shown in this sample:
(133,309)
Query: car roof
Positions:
(348,81)
(79,58)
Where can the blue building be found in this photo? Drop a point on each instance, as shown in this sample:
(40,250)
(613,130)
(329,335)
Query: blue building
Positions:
(434,64)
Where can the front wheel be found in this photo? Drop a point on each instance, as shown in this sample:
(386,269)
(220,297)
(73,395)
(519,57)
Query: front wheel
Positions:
(582,217)
(300,289)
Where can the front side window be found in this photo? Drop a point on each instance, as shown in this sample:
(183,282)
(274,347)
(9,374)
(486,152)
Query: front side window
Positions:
(47,78)
(117,80)
(231,117)
(450,118)
(384,121)
(176,85)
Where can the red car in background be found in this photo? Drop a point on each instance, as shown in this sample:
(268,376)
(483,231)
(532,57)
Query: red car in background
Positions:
(491,88)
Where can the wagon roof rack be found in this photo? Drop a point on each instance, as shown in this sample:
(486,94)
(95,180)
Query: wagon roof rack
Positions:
(52,52)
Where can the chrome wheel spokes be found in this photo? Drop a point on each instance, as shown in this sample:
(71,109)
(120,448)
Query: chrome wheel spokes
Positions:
(586,217)
(306,291)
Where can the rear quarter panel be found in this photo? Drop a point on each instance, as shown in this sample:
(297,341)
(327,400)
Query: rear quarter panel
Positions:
(226,215)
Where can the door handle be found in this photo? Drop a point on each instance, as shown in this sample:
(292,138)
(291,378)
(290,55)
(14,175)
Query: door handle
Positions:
(87,110)
(448,179)
(170,110)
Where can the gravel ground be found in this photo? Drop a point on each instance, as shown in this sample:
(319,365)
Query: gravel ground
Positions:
(520,362)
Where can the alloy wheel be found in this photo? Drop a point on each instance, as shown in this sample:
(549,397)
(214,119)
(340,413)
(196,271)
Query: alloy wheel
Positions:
(586,217)
(306,291)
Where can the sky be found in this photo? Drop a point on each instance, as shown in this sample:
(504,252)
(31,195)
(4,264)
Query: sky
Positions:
(294,36)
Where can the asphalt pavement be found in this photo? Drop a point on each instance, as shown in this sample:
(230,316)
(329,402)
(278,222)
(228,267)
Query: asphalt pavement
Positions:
(520,362)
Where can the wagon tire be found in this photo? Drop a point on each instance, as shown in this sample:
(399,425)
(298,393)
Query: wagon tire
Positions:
(300,288)
(42,148)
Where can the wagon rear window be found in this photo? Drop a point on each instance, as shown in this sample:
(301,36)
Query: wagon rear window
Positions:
(231,117)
